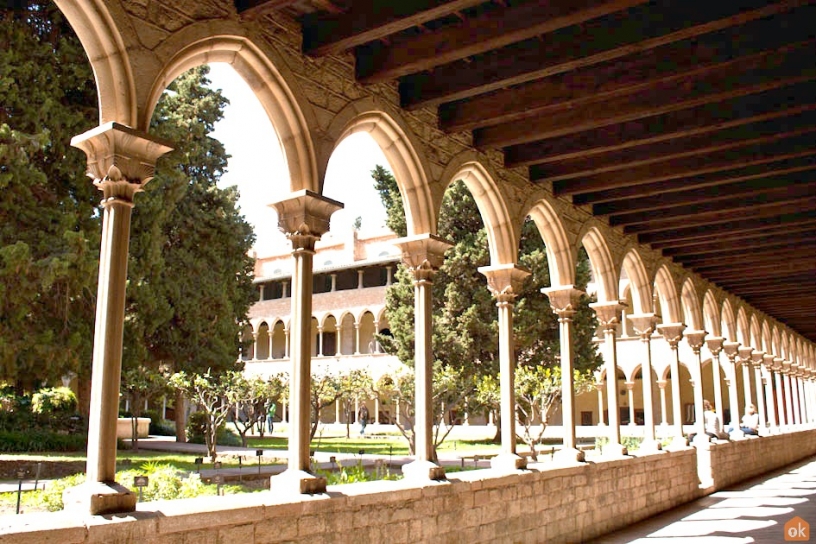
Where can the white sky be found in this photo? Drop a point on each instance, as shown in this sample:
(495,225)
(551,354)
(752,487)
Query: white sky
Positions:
(258,168)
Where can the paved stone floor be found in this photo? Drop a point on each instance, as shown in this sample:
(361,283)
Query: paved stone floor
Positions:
(756,511)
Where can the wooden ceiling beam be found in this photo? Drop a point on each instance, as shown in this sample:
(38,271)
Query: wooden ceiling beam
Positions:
(537,59)
(744,244)
(783,254)
(334,33)
(777,290)
(718,275)
(652,103)
(490,30)
(781,247)
(736,285)
(746,190)
(738,237)
(761,211)
(735,227)
(781,171)
(697,122)
(678,169)
(731,206)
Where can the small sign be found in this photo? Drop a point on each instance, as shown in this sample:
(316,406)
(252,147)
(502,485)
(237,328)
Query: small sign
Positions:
(21,474)
(361,452)
(217,465)
(140,481)
(259,453)
(218,479)
(199,460)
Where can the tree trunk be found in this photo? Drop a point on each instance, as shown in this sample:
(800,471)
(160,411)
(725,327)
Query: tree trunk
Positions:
(181,420)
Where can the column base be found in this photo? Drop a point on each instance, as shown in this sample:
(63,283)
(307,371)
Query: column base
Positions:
(99,498)
(508,462)
(701,440)
(736,434)
(615,450)
(569,456)
(678,442)
(650,446)
(297,482)
(423,471)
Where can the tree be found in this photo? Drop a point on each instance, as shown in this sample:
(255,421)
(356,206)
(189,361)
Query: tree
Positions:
(49,221)
(465,329)
(215,394)
(139,386)
(326,389)
(190,285)
(355,385)
(253,397)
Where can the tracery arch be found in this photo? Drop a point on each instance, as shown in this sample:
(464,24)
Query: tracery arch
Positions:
(603,268)
(711,314)
(667,296)
(692,313)
(561,257)
(639,283)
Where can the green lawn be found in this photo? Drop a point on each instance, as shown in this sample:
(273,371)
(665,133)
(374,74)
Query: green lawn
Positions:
(375,444)
(178,460)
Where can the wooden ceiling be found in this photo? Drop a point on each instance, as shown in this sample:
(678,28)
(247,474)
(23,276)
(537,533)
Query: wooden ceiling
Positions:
(690,124)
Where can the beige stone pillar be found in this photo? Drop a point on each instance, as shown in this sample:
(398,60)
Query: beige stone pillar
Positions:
(121,161)
(745,358)
(423,255)
(767,383)
(731,350)
(714,345)
(786,384)
(286,345)
(644,325)
(780,393)
(630,392)
(673,333)
(794,379)
(599,388)
(661,384)
(356,338)
(320,341)
(505,282)
(254,346)
(270,334)
(696,339)
(304,218)
(756,362)
(609,317)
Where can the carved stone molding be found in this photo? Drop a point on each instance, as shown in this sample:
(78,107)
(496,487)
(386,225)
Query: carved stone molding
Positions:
(505,280)
(423,254)
(672,332)
(563,299)
(304,217)
(644,324)
(715,344)
(608,313)
(696,340)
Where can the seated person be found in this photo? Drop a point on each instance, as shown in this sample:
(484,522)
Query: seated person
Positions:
(750,421)
(711,422)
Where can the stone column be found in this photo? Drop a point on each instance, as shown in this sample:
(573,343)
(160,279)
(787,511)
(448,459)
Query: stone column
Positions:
(339,341)
(696,340)
(284,289)
(599,388)
(388,275)
(254,346)
(356,338)
(269,333)
(661,384)
(121,161)
(794,379)
(644,326)
(673,333)
(756,362)
(789,413)
(376,332)
(731,349)
(714,345)
(320,341)
(745,357)
(423,255)
(630,392)
(333,283)
(304,218)
(563,301)
(767,382)
(780,393)
(286,350)
(609,317)
(360,279)
(504,282)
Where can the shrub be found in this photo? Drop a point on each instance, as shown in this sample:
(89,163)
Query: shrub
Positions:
(196,424)
(54,400)
(158,425)
(52,496)
(35,440)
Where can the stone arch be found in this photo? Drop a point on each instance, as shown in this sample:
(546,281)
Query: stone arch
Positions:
(603,267)
(743,332)
(102,41)
(779,342)
(561,257)
(729,323)
(711,314)
(270,87)
(692,313)
(767,341)
(638,282)
(401,149)
(667,296)
(756,338)
(502,233)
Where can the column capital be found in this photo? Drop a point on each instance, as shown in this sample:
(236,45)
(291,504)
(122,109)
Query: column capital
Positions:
(121,160)
(304,216)
(715,344)
(672,332)
(745,353)
(768,360)
(644,324)
(629,385)
(505,280)
(777,363)
(423,254)
(696,339)
(563,299)
(731,349)
(608,313)
(756,358)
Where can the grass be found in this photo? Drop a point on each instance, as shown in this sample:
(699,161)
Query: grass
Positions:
(380,444)
(178,460)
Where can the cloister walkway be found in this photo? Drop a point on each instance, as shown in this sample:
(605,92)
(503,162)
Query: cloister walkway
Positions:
(754,511)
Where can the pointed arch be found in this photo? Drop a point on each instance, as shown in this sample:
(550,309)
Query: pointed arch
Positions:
(561,258)
(767,341)
(641,291)
(401,149)
(603,268)
(692,313)
(756,337)
(711,314)
(502,234)
(667,295)
(729,323)
(779,342)
(743,332)
(272,90)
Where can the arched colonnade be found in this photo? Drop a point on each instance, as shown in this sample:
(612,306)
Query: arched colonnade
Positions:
(310,121)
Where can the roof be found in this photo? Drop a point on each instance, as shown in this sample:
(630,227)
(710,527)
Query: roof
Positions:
(688,124)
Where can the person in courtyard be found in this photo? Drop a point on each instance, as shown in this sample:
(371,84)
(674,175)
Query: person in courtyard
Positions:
(750,421)
(270,415)
(363,417)
(711,422)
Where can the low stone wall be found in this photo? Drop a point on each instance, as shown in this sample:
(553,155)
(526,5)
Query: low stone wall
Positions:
(546,503)
(124,427)
(726,463)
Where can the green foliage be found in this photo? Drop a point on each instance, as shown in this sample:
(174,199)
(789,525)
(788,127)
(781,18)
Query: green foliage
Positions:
(386,185)
(255,397)
(56,400)
(357,473)
(39,440)
(52,496)
(49,224)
